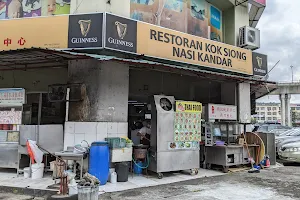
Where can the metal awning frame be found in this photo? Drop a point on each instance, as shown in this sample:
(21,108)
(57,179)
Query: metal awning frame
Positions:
(35,58)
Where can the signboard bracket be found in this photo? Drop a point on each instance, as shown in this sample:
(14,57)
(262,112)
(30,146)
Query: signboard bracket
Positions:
(237,3)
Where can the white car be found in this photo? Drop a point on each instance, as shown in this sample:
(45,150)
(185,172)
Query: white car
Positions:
(290,152)
(287,137)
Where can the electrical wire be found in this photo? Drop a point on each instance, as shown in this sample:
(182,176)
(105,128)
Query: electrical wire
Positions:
(78,6)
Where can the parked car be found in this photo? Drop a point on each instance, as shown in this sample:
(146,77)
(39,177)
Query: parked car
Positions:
(290,152)
(278,132)
(268,127)
(286,137)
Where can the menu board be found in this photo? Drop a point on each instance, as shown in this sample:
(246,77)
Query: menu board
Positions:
(187,122)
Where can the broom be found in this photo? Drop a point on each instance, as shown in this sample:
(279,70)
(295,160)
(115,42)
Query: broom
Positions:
(252,170)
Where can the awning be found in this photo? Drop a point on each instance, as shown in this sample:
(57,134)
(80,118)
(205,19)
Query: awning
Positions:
(33,58)
(256,10)
(22,59)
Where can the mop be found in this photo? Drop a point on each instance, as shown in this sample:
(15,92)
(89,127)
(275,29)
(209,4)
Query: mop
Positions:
(253,169)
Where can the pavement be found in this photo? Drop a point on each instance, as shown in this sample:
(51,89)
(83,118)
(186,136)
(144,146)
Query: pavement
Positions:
(271,184)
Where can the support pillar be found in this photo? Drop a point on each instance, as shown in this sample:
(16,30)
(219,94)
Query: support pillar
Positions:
(282,105)
(288,110)
(105,91)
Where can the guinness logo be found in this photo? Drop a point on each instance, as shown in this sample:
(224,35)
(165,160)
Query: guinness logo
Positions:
(85,26)
(121,29)
(259,61)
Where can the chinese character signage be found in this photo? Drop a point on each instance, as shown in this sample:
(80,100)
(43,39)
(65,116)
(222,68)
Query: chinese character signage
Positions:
(12,96)
(222,112)
(10,117)
(57,32)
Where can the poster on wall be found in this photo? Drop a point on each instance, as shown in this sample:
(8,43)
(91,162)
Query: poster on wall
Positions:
(11,117)
(10,9)
(187,122)
(215,23)
(2,9)
(197,20)
(185,16)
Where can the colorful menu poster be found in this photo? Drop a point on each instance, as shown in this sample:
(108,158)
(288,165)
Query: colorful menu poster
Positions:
(187,122)
(10,9)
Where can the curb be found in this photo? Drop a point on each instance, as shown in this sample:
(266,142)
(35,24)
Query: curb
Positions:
(27,191)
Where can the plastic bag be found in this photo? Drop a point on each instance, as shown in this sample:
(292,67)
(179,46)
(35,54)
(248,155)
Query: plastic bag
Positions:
(37,153)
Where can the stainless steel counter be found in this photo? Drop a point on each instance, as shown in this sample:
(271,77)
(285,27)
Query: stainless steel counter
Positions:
(9,155)
(227,156)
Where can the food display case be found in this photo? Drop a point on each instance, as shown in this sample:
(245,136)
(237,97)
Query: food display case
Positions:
(221,133)
(175,135)
(11,106)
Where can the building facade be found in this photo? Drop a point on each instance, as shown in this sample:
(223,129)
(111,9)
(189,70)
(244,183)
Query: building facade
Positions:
(125,51)
(271,112)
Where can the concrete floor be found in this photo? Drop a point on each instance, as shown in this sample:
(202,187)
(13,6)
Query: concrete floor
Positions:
(272,184)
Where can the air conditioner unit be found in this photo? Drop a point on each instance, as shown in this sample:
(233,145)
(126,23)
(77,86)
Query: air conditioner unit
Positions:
(249,38)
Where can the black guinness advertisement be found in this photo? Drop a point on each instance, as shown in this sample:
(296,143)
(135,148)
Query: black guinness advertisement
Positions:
(85,31)
(260,64)
(121,33)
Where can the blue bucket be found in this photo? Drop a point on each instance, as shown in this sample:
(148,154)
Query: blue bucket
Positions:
(137,167)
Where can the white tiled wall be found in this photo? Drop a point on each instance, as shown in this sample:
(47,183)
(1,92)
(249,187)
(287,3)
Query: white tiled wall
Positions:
(75,132)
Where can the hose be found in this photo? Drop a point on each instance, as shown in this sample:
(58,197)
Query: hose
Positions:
(147,158)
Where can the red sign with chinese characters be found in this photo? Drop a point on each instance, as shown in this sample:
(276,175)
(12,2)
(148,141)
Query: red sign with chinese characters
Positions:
(223,112)
(263,2)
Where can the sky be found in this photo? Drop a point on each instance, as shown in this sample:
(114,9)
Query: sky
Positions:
(280,40)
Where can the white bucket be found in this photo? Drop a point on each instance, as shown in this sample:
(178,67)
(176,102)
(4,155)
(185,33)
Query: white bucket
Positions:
(26,172)
(37,170)
(73,189)
(113,178)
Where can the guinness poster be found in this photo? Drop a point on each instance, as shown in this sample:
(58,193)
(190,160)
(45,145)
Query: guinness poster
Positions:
(85,31)
(121,33)
(260,64)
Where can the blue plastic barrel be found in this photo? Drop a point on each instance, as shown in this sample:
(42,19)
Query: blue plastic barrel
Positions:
(99,161)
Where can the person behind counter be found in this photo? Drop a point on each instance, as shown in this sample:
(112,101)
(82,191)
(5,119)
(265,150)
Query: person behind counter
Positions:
(134,132)
(145,133)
